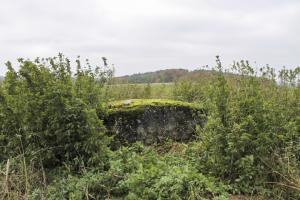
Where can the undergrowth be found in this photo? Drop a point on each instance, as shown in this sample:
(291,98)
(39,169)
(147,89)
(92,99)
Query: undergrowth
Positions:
(54,146)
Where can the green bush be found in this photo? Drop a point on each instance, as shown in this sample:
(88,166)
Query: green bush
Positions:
(140,173)
(248,131)
(43,114)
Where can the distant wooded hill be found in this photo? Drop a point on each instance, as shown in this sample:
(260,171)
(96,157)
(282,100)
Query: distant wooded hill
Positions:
(163,76)
(1,78)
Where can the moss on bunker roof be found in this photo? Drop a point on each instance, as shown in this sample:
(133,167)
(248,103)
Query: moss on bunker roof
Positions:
(140,104)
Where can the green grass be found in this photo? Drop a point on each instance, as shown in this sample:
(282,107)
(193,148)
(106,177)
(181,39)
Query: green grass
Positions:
(139,91)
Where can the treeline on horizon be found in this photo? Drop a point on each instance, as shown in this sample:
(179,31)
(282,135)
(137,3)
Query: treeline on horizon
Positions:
(169,76)
(161,76)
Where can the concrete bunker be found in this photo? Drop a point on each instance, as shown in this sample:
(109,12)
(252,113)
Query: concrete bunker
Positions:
(153,120)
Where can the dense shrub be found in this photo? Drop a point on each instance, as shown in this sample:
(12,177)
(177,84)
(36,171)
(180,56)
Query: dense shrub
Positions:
(249,131)
(190,91)
(47,113)
(138,173)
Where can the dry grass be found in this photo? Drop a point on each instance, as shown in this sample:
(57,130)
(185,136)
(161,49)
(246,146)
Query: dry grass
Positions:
(240,197)
(18,178)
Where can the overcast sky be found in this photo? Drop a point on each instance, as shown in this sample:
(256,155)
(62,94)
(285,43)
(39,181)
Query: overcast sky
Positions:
(146,35)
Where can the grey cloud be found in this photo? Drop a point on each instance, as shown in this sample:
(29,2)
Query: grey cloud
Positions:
(144,35)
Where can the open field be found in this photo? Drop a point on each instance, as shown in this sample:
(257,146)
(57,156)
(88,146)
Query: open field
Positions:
(138,91)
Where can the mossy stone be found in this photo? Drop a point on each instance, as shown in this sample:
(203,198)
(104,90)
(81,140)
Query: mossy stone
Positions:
(153,120)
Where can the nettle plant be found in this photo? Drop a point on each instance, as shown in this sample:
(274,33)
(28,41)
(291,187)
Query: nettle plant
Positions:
(48,113)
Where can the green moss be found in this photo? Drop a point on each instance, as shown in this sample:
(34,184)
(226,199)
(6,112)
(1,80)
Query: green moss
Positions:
(138,105)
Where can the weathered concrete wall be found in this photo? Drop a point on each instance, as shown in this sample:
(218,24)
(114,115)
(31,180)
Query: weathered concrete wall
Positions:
(154,122)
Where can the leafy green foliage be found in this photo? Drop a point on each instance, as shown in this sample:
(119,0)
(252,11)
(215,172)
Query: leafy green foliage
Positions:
(189,91)
(140,173)
(44,115)
(247,131)
(53,145)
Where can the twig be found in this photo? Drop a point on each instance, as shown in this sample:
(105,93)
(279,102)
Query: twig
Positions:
(285,185)
(7,177)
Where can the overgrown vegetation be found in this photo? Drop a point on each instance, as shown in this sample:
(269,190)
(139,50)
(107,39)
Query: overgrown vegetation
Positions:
(54,146)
